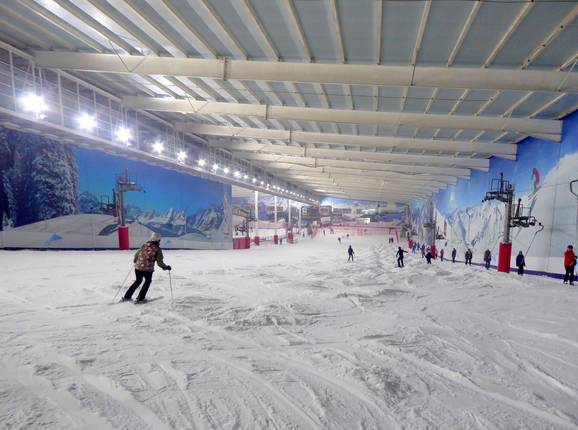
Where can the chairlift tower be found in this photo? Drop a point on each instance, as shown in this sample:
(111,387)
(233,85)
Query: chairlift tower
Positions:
(503,191)
(123,185)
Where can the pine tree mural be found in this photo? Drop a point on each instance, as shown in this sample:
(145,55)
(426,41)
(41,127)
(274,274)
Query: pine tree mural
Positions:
(39,179)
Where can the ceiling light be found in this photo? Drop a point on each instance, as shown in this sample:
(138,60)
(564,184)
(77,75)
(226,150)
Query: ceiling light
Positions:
(34,103)
(124,135)
(201,162)
(181,156)
(158,147)
(86,122)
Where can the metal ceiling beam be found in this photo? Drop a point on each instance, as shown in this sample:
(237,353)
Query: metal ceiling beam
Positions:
(403,168)
(522,125)
(401,143)
(291,169)
(384,157)
(347,74)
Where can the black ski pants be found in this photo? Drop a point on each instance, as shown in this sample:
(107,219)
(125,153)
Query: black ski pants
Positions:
(468,261)
(400,262)
(520,269)
(350,257)
(140,275)
(569,275)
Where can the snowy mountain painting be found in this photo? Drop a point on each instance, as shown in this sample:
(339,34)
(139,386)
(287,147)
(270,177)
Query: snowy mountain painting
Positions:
(53,190)
(542,184)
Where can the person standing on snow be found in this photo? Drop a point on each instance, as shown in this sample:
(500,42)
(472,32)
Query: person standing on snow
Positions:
(350,252)
(520,262)
(469,257)
(569,264)
(428,256)
(339,239)
(487,258)
(399,255)
(422,250)
(442,252)
(454,253)
(144,266)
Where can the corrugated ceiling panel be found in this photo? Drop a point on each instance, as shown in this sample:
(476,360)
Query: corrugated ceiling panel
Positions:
(502,103)
(399,29)
(315,21)
(543,18)
(236,22)
(491,23)
(560,49)
(357,28)
(567,103)
(446,20)
(278,27)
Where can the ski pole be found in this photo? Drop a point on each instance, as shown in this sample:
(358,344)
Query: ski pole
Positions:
(121,285)
(171,285)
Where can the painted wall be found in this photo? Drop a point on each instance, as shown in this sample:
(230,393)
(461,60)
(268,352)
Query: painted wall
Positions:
(54,195)
(541,176)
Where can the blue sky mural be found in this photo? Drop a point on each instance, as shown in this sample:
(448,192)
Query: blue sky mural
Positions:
(164,189)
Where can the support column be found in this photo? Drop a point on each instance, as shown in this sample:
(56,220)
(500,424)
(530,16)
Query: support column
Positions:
(275,236)
(290,225)
(505,249)
(299,226)
(257,238)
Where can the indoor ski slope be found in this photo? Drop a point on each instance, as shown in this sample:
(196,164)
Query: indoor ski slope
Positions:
(287,337)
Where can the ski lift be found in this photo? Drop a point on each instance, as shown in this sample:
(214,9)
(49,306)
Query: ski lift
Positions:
(105,205)
(501,190)
(521,220)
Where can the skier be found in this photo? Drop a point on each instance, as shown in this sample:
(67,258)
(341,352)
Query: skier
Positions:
(350,252)
(442,252)
(454,253)
(569,264)
(428,257)
(399,255)
(487,258)
(339,239)
(520,262)
(469,257)
(144,266)
(422,250)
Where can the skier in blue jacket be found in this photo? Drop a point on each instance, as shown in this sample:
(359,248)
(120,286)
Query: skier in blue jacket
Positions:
(520,262)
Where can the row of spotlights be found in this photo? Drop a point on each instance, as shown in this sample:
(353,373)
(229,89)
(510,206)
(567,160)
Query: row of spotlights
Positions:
(238,174)
(35,104)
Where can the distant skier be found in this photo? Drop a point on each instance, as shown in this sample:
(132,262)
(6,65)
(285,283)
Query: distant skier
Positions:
(469,257)
(442,252)
(399,255)
(144,266)
(323,232)
(422,250)
(487,258)
(520,262)
(350,252)
(339,240)
(454,253)
(428,256)
(569,264)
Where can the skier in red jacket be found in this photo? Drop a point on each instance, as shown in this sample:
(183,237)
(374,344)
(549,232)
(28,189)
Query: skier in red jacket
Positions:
(569,264)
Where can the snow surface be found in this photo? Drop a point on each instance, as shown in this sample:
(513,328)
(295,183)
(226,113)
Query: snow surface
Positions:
(284,337)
